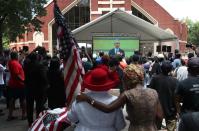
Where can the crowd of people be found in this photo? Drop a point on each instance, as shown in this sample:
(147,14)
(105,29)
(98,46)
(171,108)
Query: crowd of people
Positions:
(151,89)
(32,78)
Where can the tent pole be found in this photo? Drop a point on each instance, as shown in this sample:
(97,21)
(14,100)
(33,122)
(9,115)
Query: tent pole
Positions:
(177,44)
(160,44)
(111,25)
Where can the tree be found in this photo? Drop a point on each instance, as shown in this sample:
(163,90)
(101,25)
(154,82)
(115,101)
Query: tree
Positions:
(193,31)
(194,34)
(5,42)
(18,16)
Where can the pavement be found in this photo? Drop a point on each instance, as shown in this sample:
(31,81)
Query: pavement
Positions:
(15,125)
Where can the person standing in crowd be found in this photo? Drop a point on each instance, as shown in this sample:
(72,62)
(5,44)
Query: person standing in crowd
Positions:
(36,84)
(16,88)
(189,122)
(21,57)
(2,70)
(182,72)
(105,61)
(147,78)
(155,68)
(86,64)
(197,51)
(117,50)
(56,91)
(177,62)
(165,85)
(2,83)
(190,55)
(99,58)
(142,105)
(135,59)
(6,74)
(161,58)
(114,66)
(98,81)
(170,57)
(187,92)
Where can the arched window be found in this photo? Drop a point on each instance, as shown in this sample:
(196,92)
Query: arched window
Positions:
(78,15)
(75,17)
(139,14)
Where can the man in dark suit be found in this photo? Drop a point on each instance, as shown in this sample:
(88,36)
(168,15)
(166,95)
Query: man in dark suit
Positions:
(116,50)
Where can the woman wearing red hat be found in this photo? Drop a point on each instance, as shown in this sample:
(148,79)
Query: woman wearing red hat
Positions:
(142,105)
(98,81)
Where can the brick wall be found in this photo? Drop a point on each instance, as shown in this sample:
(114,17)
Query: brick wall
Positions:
(165,20)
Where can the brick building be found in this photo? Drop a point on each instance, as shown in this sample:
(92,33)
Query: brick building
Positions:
(79,12)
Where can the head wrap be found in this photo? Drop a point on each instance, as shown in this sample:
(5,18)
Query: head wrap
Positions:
(133,74)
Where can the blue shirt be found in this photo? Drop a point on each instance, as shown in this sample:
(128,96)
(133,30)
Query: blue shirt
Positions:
(176,63)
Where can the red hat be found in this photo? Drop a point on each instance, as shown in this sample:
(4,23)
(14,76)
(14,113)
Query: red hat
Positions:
(100,79)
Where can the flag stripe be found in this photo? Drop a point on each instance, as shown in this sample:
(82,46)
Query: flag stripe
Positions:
(37,123)
(37,127)
(75,83)
(70,83)
(60,124)
(69,61)
(70,71)
(61,116)
(41,127)
(76,91)
(52,126)
(75,80)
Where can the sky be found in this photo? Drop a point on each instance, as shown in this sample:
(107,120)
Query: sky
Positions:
(181,8)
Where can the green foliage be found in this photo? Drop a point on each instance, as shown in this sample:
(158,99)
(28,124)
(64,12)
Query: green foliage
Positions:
(18,16)
(193,34)
(6,42)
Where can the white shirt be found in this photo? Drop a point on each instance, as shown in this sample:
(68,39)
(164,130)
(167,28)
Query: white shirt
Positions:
(182,73)
(91,119)
(117,50)
(2,69)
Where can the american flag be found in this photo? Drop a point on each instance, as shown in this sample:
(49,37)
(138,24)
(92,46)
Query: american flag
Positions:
(73,69)
(51,120)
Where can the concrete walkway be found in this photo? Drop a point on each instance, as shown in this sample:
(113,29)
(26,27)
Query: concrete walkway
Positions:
(15,125)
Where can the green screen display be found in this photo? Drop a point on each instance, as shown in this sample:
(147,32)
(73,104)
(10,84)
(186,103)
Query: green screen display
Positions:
(128,44)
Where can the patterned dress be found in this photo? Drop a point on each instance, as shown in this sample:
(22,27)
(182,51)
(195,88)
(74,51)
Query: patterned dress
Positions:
(141,108)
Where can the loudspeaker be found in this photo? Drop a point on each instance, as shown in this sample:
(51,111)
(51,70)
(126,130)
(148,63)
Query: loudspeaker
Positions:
(164,48)
(189,45)
(176,51)
(168,48)
(158,48)
(25,48)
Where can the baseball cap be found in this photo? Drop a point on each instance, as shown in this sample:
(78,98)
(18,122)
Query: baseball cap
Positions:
(160,56)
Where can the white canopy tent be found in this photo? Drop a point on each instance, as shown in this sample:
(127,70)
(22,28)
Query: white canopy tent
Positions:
(120,22)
